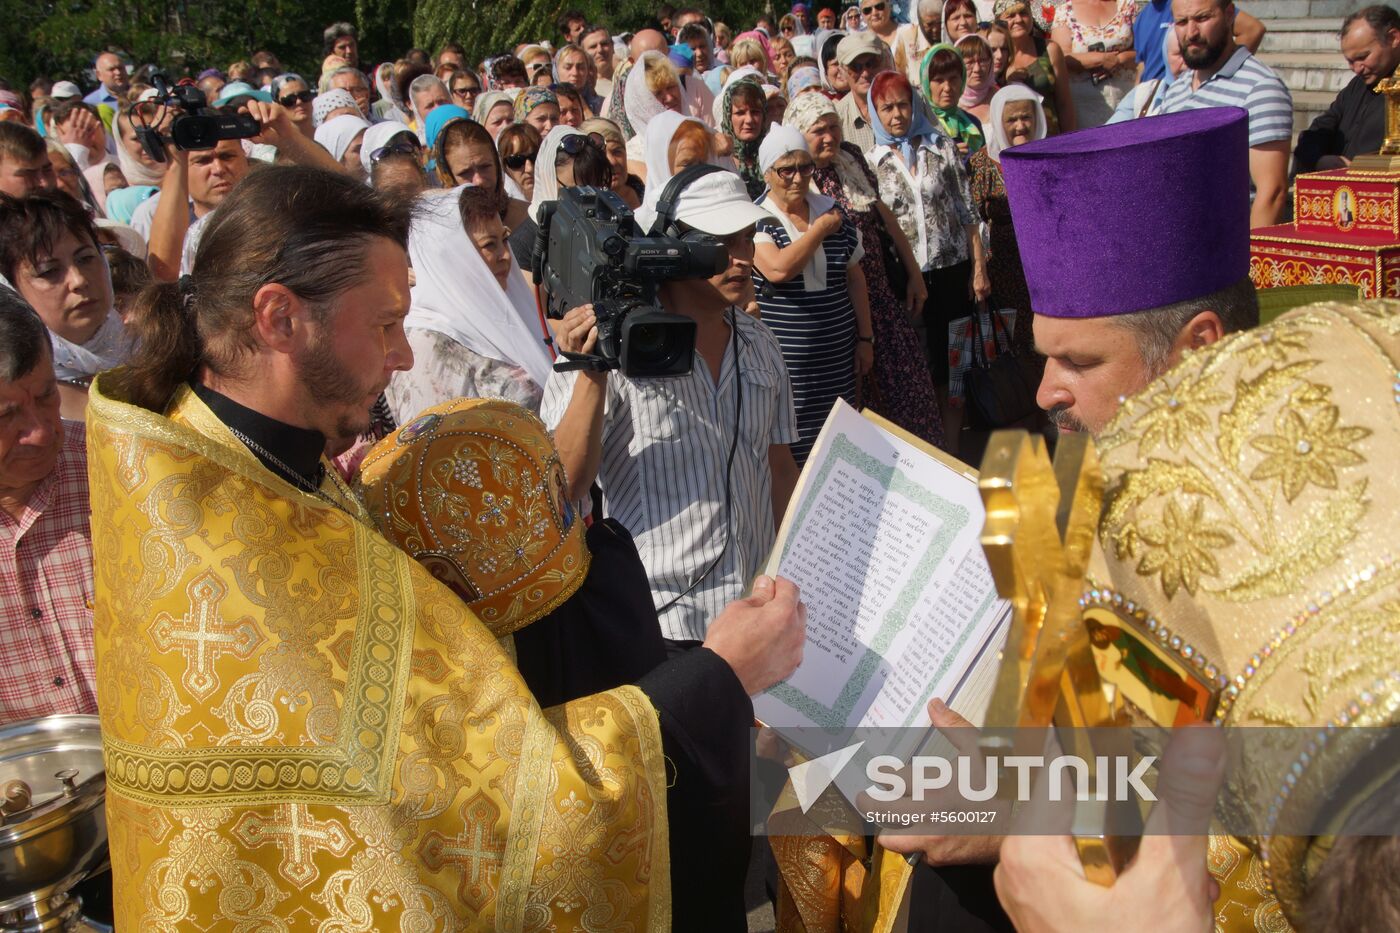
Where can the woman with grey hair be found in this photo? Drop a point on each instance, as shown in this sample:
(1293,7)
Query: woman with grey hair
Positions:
(426,92)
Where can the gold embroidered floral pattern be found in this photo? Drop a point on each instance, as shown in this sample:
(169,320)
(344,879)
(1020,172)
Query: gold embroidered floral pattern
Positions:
(1307,451)
(1181,548)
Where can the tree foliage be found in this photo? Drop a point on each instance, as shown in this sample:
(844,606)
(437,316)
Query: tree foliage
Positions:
(61,38)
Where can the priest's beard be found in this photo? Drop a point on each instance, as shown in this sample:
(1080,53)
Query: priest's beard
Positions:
(332,387)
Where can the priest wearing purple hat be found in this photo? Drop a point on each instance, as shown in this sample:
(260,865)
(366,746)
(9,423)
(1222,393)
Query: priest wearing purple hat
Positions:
(1135,243)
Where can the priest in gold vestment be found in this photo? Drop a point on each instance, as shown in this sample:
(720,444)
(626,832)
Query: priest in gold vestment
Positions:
(303,728)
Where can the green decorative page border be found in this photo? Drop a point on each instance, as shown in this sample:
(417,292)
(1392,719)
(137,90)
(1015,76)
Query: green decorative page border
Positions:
(955,518)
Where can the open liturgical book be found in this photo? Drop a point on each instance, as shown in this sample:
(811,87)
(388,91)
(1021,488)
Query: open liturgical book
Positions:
(882,535)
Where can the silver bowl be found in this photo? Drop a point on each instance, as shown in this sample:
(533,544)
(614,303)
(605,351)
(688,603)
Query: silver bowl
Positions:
(60,838)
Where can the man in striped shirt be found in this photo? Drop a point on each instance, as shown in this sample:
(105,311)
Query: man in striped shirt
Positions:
(697,467)
(1224,74)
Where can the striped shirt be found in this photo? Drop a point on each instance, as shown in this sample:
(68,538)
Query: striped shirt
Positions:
(46,591)
(665,446)
(1245,82)
(816,329)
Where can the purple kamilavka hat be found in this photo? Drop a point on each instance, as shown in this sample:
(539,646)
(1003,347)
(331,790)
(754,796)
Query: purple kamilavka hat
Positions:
(1132,216)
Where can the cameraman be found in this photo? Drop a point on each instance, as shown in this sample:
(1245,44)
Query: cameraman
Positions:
(198,181)
(700,501)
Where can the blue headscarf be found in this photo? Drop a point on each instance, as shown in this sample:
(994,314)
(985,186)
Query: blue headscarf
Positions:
(122,202)
(439,117)
(919,126)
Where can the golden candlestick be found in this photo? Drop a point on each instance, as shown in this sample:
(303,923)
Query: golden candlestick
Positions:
(1388,159)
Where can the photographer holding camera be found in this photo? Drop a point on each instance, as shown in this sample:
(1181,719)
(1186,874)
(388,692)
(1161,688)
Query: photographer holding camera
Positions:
(198,180)
(695,461)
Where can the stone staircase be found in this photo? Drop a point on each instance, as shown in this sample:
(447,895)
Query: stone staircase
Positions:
(1302,45)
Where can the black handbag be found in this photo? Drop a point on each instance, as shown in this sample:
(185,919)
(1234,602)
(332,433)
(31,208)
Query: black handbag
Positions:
(998,392)
(894,264)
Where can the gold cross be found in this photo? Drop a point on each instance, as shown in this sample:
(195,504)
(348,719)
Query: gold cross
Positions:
(476,848)
(201,635)
(1038,536)
(299,835)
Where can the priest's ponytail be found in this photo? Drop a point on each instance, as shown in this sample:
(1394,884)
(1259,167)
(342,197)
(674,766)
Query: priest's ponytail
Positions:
(168,348)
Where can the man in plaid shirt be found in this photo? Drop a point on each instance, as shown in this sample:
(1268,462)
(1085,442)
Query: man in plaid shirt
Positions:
(46,666)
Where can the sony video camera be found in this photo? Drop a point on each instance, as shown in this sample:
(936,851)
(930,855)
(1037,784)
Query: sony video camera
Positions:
(589,250)
(196,125)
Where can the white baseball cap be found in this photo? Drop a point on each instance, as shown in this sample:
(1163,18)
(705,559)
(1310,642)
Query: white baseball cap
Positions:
(64,89)
(718,204)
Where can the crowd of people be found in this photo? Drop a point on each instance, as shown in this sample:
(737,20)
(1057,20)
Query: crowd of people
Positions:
(211,358)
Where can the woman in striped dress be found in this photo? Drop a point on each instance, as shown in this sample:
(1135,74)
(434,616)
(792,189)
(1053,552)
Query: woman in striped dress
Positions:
(811,291)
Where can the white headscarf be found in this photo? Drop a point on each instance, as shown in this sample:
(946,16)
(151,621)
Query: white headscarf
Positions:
(698,101)
(377,137)
(456,295)
(337,133)
(996,139)
(659,134)
(641,104)
(779,142)
(106,349)
(546,179)
(136,172)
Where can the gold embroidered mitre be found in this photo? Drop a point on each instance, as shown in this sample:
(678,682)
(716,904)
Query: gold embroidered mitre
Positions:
(473,490)
(1247,526)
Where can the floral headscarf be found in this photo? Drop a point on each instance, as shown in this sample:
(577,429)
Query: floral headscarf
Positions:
(745,151)
(530,98)
(617,106)
(803,113)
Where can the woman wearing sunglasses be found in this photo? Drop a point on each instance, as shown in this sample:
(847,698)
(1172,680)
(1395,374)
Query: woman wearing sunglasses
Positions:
(295,95)
(466,88)
(392,159)
(811,291)
(878,20)
(567,158)
(519,146)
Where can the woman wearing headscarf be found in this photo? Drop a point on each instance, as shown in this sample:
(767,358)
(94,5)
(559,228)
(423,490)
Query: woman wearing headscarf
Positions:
(922,180)
(942,75)
(834,80)
(744,120)
(438,118)
(392,158)
(137,165)
(343,137)
(567,158)
(538,107)
(295,95)
(811,291)
(981,82)
(625,185)
(898,386)
(804,78)
(386,107)
(334,103)
(1017,117)
(495,110)
(652,88)
(122,202)
(473,325)
(673,142)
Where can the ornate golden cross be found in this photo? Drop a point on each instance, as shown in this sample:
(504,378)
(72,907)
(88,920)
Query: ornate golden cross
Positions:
(299,835)
(1039,532)
(201,635)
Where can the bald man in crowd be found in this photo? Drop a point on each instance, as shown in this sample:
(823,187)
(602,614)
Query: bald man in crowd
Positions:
(113,80)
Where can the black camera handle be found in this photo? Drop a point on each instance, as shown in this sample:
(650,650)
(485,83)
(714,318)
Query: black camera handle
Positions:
(580,362)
